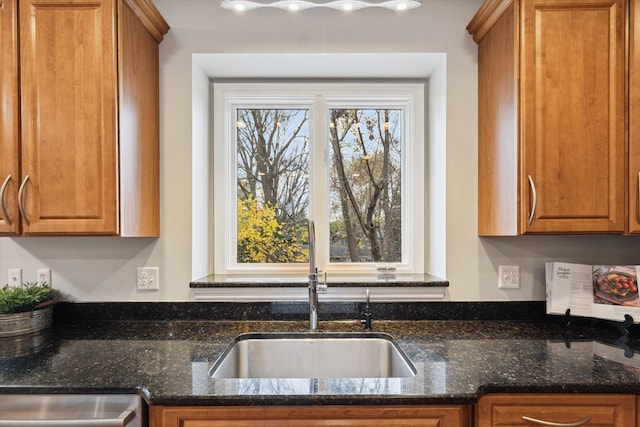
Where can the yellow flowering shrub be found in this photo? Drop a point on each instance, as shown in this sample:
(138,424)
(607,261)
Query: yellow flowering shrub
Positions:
(261,238)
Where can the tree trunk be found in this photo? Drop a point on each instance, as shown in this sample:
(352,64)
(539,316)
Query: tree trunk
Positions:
(352,242)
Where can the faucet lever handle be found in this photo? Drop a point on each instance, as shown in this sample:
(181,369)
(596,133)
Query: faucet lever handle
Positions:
(322,285)
(366,316)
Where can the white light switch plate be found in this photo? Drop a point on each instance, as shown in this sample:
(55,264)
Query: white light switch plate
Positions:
(148,279)
(14,276)
(44,276)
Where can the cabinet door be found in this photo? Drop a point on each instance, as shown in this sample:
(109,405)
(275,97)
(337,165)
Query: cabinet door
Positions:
(602,410)
(9,128)
(425,416)
(634,116)
(68,99)
(573,116)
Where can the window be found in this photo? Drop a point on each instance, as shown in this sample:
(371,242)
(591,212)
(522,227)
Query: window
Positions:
(349,155)
(272,175)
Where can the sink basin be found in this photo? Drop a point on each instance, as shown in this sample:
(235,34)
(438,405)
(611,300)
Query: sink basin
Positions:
(306,355)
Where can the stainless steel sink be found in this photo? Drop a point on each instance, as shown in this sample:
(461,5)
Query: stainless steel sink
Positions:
(313,355)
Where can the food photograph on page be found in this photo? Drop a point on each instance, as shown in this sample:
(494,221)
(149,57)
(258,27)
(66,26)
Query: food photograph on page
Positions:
(615,285)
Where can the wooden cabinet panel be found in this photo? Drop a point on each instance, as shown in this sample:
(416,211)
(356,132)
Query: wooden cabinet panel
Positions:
(552,149)
(139,87)
(9,126)
(602,410)
(634,117)
(428,416)
(572,103)
(498,208)
(68,91)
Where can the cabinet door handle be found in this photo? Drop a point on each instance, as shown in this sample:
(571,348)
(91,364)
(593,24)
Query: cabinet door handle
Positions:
(534,193)
(551,423)
(20,197)
(5,215)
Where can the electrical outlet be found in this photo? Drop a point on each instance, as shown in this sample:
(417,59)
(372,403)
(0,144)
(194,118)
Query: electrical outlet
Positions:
(509,277)
(148,279)
(15,276)
(44,276)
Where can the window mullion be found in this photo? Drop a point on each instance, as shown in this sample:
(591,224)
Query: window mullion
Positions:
(319,180)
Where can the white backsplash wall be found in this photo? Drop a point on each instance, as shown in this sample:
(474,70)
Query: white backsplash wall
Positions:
(104,268)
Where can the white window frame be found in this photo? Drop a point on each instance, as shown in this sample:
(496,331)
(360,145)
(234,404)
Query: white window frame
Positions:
(318,97)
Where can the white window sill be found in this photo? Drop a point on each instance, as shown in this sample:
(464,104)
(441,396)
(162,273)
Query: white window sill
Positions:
(294,289)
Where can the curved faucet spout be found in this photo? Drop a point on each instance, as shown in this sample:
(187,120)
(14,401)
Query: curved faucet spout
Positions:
(312,247)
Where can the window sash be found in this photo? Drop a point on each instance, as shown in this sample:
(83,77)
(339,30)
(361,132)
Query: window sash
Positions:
(319,98)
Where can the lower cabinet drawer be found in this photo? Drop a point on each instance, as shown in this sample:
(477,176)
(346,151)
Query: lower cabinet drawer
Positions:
(562,410)
(309,416)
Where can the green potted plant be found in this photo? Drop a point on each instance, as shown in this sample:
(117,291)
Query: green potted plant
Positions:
(26,308)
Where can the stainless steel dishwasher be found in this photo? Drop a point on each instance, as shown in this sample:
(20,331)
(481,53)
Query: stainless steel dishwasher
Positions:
(72,410)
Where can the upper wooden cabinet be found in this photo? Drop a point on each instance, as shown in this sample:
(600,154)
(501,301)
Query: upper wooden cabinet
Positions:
(552,95)
(86,160)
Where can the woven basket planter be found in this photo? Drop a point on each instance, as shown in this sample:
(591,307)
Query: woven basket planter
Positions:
(16,324)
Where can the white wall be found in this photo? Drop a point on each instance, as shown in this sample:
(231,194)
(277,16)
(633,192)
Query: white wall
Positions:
(103,269)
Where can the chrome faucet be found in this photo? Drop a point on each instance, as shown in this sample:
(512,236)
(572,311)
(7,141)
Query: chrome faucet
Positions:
(366,316)
(314,287)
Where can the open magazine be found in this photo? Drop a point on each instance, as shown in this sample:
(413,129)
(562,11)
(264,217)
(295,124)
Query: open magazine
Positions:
(599,291)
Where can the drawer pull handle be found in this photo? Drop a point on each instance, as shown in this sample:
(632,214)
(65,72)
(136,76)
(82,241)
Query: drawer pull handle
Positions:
(534,193)
(5,215)
(20,197)
(551,423)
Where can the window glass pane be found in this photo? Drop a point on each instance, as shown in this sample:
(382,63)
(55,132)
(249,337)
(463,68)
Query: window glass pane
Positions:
(272,185)
(365,196)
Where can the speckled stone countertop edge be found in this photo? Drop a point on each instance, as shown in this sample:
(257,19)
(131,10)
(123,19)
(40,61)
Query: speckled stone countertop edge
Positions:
(303,400)
(261,400)
(631,388)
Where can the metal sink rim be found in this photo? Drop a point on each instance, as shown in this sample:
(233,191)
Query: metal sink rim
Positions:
(319,335)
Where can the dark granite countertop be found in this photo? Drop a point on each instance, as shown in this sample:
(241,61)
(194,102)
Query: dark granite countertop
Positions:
(457,361)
